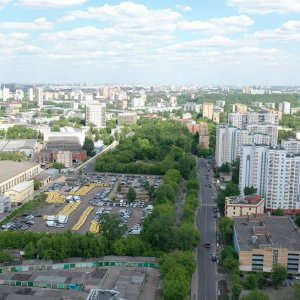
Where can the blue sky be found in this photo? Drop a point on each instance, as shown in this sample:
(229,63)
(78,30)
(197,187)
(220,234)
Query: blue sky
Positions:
(238,42)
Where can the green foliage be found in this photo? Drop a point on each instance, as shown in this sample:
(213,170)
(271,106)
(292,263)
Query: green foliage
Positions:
(156,147)
(63,122)
(297,221)
(228,251)
(230,264)
(58,166)
(15,156)
(36,184)
(131,246)
(231,189)
(225,168)
(111,227)
(29,250)
(158,230)
(188,237)
(236,286)
(284,135)
(290,121)
(88,146)
(249,190)
(251,282)
(192,184)
(297,292)
(177,269)
(165,193)
(6,257)
(279,274)
(226,230)
(119,188)
(190,205)
(255,295)
(21,132)
(278,212)
(131,195)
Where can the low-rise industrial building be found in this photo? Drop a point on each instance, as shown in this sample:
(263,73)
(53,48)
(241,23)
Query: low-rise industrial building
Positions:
(65,158)
(20,192)
(266,241)
(29,147)
(237,206)
(13,173)
(5,204)
(43,179)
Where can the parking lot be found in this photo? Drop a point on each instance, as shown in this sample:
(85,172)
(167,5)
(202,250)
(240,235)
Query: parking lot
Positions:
(97,194)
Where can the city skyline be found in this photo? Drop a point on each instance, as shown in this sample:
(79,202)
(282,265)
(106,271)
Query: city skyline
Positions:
(183,42)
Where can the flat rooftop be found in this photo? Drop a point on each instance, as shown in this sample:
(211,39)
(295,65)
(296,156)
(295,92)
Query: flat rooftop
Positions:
(9,169)
(17,145)
(271,231)
(246,200)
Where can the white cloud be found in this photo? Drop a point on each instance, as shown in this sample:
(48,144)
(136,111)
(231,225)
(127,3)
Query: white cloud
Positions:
(218,25)
(37,24)
(50,3)
(183,7)
(3,3)
(289,31)
(266,6)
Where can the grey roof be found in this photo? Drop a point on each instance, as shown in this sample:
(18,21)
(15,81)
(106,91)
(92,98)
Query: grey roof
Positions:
(271,231)
(17,145)
(9,169)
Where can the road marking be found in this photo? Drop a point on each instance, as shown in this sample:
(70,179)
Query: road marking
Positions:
(208,204)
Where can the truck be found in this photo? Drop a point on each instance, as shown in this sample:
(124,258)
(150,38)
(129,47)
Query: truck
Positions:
(50,223)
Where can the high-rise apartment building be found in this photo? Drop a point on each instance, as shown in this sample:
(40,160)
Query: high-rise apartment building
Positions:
(241,120)
(38,96)
(292,146)
(95,113)
(230,139)
(285,108)
(208,110)
(5,94)
(30,94)
(274,173)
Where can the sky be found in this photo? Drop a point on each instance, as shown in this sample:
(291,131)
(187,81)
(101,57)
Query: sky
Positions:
(219,42)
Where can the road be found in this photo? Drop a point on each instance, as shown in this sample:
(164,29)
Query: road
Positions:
(206,223)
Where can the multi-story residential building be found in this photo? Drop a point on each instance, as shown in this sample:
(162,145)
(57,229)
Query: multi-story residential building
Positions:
(220,103)
(229,140)
(292,146)
(241,120)
(95,113)
(240,108)
(203,135)
(285,108)
(237,206)
(208,110)
(5,94)
(38,96)
(275,173)
(30,94)
(191,106)
(5,204)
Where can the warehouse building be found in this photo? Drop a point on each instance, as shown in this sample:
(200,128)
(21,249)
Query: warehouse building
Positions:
(13,173)
(20,192)
(266,241)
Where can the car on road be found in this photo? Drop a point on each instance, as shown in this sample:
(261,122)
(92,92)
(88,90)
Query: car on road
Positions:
(213,257)
(207,245)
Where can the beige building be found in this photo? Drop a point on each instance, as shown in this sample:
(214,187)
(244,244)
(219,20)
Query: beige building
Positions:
(13,173)
(203,135)
(238,206)
(262,243)
(241,108)
(208,110)
(65,158)
(127,119)
(20,192)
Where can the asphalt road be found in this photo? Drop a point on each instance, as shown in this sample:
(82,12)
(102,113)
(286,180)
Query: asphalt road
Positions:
(206,223)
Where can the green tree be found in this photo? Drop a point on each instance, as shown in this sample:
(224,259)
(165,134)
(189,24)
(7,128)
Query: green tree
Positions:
(279,274)
(188,237)
(297,292)
(226,230)
(111,227)
(297,221)
(6,257)
(225,168)
(231,264)
(88,146)
(119,188)
(131,195)
(255,295)
(278,212)
(249,190)
(251,282)
(29,250)
(58,166)
(36,184)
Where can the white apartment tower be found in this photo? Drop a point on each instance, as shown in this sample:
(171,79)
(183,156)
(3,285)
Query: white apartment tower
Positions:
(30,94)
(229,140)
(285,108)
(5,94)
(274,173)
(241,120)
(38,96)
(95,113)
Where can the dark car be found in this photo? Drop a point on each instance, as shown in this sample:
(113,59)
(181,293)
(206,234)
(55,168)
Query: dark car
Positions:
(213,257)
(207,245)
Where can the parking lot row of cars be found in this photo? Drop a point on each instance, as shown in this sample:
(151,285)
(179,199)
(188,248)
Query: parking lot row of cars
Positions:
(20,223)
